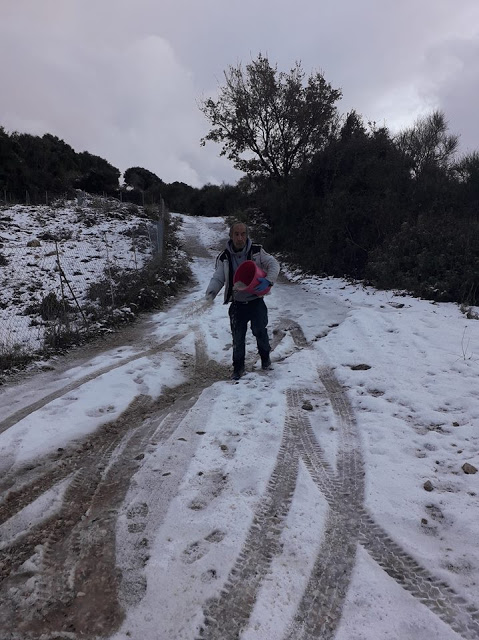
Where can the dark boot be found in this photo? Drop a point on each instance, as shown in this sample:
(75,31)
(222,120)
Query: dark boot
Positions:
(266,362)
(237,374)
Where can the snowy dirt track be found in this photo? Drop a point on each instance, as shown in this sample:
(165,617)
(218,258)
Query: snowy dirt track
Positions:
(146,496)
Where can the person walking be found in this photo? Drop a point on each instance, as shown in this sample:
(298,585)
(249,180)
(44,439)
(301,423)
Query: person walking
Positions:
(245,306)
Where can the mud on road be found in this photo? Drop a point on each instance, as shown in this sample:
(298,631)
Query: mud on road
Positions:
(58,574)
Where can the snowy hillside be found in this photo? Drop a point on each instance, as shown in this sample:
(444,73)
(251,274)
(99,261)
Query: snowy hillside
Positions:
(93,237)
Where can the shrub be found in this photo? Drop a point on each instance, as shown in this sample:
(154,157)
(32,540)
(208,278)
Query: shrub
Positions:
(51,308)
(59,336)
(437,259)
(56,235)
(13,357)
(144,289)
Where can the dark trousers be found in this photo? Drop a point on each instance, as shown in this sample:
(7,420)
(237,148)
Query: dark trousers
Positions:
(240,314)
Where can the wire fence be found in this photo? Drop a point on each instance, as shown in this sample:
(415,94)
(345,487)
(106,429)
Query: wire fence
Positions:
(54,287)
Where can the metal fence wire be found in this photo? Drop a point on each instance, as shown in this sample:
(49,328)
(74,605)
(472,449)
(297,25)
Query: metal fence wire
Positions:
(44,287)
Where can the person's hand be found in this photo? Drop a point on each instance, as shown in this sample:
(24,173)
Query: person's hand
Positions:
(209,297)
(264,283)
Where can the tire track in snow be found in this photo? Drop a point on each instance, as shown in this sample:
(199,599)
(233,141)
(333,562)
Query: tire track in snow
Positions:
(228,614)
(42,402)
(347,525)
(52,468)
(321,605)
(79,554)
(434,593)
(55,541)
(74,458)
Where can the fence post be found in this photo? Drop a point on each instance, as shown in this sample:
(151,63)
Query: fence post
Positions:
(61,280)
(109,272)
(160,228)
(134,256)
(63,275)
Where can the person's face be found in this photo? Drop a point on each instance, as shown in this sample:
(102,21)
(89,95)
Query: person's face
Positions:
(239,236)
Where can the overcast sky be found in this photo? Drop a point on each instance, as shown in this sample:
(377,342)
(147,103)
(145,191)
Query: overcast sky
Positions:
(122,79)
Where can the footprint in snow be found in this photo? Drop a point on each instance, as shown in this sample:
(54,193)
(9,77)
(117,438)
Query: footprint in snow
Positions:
(196,550)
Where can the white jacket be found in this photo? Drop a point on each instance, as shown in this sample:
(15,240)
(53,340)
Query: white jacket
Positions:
(224,277)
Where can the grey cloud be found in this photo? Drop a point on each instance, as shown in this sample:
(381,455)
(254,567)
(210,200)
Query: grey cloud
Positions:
(123,79)
(457,91)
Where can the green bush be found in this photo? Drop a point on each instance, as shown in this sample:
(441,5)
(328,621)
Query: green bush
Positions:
(143,289)
(437,259)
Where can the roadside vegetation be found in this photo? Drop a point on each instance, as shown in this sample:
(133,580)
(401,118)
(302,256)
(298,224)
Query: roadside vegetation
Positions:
(347,198)
(69,285)
(332,192)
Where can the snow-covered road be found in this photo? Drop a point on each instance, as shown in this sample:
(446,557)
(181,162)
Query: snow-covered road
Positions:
(146,496)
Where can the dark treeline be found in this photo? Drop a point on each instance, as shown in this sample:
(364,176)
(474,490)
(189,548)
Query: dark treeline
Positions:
(36,169)
(33,166)
(346,198)
(400,212)
(397,211)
